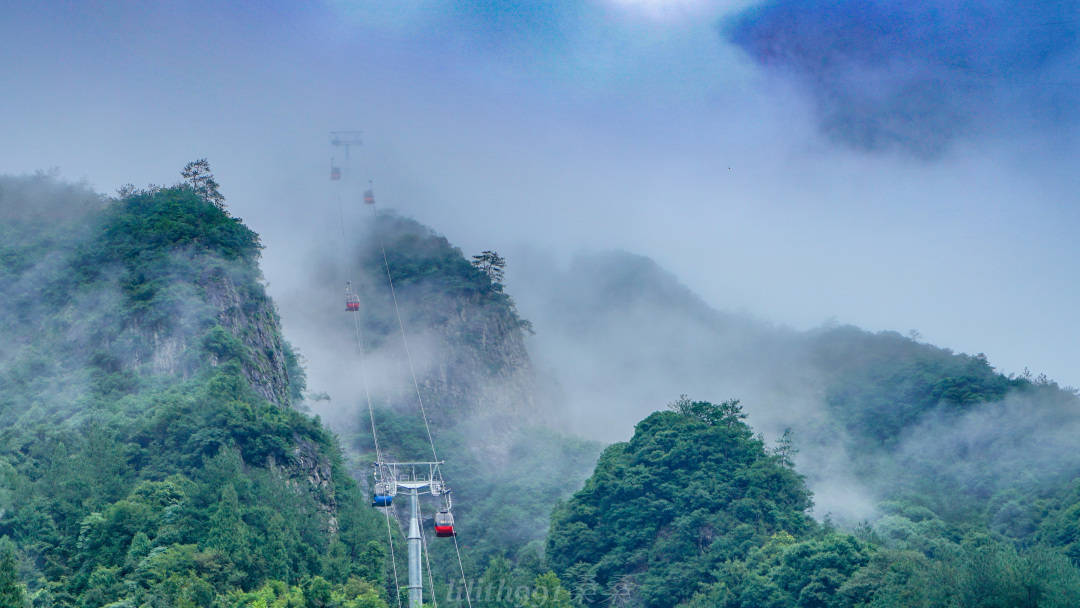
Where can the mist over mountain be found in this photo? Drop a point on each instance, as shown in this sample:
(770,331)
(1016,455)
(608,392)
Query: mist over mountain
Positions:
(153,424)
(873,415)
(499,424)
(653,266)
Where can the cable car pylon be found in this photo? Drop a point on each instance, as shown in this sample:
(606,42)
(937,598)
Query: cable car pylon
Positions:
(417,478)
(342,139)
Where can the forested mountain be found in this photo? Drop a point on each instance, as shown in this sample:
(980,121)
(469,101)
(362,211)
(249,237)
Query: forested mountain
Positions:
(150,455)
(867,393)
(156,449)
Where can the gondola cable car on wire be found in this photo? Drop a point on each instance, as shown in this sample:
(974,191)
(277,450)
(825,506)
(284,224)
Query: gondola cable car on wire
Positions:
(384,489)
(444,521)
(352,299)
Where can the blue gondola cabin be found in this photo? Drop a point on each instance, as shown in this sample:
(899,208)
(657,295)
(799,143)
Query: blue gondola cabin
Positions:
(383,497)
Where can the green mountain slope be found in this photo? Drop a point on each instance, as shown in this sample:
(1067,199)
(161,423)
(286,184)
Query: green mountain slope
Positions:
(891,405)
(150,455)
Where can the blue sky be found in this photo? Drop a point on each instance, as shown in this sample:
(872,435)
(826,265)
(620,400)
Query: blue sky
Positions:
(644,125)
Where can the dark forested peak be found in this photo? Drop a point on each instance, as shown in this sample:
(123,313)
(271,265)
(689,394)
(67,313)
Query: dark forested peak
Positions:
(417,254)
(129,288)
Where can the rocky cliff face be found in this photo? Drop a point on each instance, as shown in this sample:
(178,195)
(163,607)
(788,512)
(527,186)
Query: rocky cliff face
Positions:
(211,294)
(254,322)
(481,365)
(311,470)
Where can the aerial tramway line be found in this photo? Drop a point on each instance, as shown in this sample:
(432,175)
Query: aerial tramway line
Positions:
(391,478)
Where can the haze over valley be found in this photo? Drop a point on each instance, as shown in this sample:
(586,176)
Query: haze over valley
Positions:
(677,304)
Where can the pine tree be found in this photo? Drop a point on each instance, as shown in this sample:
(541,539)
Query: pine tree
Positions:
(548,592)
(12,592)
(228,531)
(201,179)
(491,264)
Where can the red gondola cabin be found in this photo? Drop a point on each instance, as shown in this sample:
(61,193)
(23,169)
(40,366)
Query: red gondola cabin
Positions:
(444,524)
(335,173)
(352,300)
(369,197)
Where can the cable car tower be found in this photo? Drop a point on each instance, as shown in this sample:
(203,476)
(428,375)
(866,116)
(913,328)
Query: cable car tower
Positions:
(417,478)
(342,139)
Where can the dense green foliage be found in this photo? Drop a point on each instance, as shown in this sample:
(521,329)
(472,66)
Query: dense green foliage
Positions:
(838,571)
(12,592)
(882,384)
(694,511)
(692,489)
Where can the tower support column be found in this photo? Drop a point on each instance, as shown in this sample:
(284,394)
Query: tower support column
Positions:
(416,582)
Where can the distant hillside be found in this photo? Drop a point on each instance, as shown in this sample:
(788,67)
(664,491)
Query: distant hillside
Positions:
(874,415)
(150,453)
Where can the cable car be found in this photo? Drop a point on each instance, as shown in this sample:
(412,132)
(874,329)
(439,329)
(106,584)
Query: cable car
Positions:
(369,197)
(444,524)
(384,496)
(335,173)
(352,300)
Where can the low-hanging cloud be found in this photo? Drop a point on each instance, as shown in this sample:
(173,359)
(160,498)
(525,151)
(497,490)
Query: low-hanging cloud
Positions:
(915,77)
